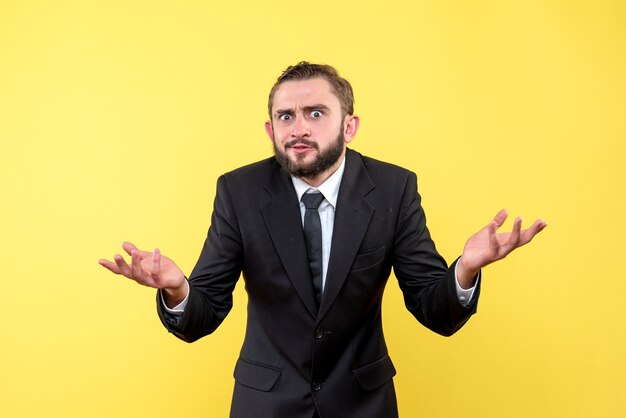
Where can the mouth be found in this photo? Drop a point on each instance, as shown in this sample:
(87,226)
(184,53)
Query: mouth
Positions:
(301,146)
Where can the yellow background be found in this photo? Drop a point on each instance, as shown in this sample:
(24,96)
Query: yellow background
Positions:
(116,118)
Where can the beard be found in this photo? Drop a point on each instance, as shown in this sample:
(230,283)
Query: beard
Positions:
(325,159)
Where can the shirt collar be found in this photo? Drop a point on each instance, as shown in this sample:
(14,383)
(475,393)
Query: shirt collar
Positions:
(329,188)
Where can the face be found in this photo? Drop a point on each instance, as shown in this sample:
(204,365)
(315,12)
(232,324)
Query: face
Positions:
(308,129)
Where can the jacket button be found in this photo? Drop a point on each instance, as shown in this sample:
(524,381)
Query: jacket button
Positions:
(319,333)
(316,386)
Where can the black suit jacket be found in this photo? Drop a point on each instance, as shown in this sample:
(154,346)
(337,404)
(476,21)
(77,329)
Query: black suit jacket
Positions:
(296,358)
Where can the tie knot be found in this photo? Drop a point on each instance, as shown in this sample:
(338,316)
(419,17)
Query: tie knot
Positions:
(312,200)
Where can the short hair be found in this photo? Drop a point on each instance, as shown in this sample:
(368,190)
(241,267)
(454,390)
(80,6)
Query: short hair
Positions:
(304,70)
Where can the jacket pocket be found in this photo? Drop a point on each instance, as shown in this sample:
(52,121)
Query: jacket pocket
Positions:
(255,375)
(369,258)
(375,374)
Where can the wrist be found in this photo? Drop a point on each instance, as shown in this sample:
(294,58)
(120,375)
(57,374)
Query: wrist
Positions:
(466,276)
(174,296)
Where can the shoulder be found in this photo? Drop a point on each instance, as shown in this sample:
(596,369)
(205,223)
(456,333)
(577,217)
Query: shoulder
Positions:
(266,166)
(253,174)
(252,183)
(379,171)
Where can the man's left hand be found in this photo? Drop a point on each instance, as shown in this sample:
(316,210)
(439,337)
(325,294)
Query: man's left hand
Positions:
(487,246)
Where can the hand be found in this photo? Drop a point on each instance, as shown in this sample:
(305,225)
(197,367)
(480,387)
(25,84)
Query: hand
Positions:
(487,246)
(152,270)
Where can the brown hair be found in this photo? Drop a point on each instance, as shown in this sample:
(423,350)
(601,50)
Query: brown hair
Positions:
(305,70)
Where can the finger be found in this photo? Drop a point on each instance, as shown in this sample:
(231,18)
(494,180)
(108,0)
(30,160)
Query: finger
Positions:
(493,238)
(136,269)
(109,265)
(122,266)
(514,238)
(129,247)
(156,263)
(529,234)
(500,218)
(542,225)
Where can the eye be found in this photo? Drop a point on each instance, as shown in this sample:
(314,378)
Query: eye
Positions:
(284,117)
(316,114)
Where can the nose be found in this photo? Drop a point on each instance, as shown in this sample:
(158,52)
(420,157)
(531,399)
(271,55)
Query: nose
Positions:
(301,128)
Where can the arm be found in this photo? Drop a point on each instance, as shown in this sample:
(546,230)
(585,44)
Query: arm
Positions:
(429,288)
(428,285)
(214,277)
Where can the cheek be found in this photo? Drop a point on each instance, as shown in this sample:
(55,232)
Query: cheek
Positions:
(280,138)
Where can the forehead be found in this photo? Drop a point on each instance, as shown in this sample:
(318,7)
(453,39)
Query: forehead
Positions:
(296,93)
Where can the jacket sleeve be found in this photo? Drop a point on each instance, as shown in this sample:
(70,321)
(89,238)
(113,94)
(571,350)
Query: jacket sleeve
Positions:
(214,277)
(428,285)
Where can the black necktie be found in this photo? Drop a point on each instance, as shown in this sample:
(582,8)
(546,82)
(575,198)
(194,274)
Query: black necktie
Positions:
(313,239)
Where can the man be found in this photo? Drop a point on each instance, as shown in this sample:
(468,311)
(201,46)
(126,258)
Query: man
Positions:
(315,271)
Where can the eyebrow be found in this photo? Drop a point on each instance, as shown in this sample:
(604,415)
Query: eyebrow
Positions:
(316,107)
(305,108)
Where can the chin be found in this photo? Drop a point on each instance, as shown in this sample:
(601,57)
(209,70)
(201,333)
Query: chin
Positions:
(302,159)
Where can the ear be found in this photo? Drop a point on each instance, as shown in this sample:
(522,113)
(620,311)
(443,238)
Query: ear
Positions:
(269,130)
(350,127)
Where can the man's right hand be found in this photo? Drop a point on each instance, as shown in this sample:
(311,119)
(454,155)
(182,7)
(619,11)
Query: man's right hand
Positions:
(153,270)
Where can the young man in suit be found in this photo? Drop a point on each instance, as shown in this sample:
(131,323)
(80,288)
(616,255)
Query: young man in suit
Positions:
(316,231)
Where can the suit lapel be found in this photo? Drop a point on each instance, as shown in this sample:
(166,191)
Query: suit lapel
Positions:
(284,223)
(352,217)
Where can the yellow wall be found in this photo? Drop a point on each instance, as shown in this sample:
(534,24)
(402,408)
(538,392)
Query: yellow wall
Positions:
(116,118)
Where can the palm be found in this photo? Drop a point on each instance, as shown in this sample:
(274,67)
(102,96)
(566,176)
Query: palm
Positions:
(169,273)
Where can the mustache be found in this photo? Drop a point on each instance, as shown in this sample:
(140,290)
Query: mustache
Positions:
(301,141)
